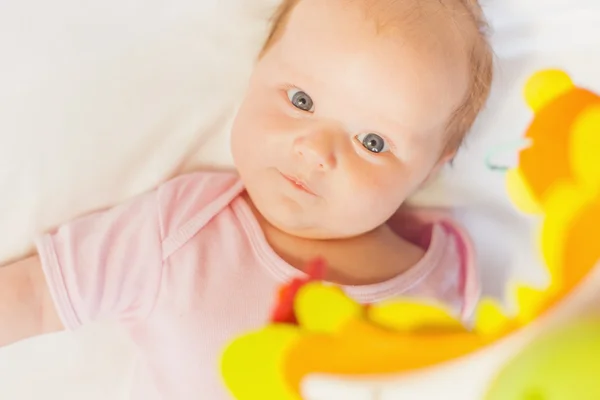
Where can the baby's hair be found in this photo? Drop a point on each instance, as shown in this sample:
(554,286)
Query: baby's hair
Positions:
(479,53)
(481,62)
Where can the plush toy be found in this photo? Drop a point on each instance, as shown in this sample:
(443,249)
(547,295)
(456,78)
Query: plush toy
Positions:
(326,331)
(550,158)
(317,329)
(559,174)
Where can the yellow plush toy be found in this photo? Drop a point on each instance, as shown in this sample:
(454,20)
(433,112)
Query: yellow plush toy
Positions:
(320,330)
(559,173)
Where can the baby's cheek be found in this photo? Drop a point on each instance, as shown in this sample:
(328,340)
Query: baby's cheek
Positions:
(379,191)
(388,179)
(252,130)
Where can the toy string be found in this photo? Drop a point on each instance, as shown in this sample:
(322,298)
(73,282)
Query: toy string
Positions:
(511,147)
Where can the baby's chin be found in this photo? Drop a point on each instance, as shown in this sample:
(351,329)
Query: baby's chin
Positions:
(290,219)
(311,228)
(296,226)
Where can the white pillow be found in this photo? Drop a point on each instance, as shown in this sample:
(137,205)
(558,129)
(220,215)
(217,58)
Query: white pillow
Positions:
(101,100)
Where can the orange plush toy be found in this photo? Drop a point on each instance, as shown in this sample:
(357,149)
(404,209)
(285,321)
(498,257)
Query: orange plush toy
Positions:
(558,175)
(550,158)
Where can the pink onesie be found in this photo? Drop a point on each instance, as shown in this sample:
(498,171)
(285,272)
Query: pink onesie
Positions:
(185,268)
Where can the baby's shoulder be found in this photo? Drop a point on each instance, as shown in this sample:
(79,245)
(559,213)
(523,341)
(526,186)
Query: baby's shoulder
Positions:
(195,198)
(200,185)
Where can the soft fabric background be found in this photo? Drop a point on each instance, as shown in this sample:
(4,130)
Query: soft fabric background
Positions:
(101,100)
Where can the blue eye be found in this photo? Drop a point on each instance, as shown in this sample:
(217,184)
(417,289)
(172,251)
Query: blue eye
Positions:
(373,142)
(300,100)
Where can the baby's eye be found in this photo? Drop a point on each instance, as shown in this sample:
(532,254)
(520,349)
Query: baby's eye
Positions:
(373,142)
(301,100)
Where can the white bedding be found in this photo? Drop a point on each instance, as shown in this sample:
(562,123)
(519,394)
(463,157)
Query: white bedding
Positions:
(102,100)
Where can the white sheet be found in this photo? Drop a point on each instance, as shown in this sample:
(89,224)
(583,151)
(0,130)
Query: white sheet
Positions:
(102,100)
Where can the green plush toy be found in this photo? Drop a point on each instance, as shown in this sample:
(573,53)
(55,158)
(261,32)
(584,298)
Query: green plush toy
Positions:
(561,365)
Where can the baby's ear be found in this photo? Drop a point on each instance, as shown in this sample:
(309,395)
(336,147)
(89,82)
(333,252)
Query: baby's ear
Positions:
(447,158)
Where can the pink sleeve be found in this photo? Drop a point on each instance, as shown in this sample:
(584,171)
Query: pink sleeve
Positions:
(106,265)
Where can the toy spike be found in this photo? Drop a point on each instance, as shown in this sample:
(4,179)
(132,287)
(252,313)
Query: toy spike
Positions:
(284,309)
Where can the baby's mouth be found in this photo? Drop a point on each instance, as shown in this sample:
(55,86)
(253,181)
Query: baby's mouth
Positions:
(298,184)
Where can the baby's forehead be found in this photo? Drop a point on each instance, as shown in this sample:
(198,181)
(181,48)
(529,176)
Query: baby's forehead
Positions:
(387,16)
(334,46)
(433,27)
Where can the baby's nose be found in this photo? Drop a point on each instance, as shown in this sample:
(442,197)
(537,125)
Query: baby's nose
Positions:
(316,150)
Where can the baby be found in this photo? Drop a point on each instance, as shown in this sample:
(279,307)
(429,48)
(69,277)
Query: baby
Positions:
(352,106)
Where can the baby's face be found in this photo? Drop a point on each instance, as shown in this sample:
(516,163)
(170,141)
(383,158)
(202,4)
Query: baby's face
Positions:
(339,125)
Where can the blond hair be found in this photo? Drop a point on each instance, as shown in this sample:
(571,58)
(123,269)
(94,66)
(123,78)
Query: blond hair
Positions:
(480,64)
